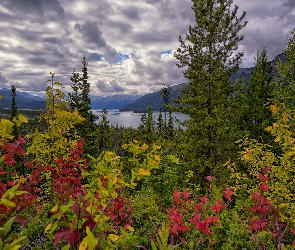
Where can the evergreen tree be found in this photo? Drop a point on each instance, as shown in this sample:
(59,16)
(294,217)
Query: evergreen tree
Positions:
(149,126)
(251,108)
(160,124)
(14,112)
(209,53)
(285,87)
(104,132)
(165,93)
(80,99)
(170,131)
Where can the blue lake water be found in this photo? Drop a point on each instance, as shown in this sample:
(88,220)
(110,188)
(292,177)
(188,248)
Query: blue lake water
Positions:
(130,119)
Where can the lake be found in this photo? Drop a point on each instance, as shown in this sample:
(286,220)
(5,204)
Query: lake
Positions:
(130,119)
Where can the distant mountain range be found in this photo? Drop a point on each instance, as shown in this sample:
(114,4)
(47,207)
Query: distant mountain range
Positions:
(113,102)
(23,100)
(28,101)
(122,102)
(155,100)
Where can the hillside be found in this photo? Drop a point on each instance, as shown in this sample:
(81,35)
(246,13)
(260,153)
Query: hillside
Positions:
(155,100)
(113,102)
(23,100)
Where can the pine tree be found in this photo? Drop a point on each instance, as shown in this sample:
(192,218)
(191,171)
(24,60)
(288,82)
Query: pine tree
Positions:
(80,99)
(165,93)
(104,132)
(209,55)
(285,87)
(14,112)
(251,108)
(160,124)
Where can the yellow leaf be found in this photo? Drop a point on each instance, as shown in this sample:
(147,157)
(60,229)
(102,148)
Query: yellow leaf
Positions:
(247,157)
(273,108)
(157,158)
(91,240)
(7,203)
(131,229)
(83,245)
(48,227)
(144,172)
(144,146)
(113,237)
(54,209)
(23,119)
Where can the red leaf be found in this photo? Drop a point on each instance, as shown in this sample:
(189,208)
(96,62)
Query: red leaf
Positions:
(209,178)
(90,223)
(227,194)
(73,237)
(265,170)
(21,220)
(293,231)
(203,226)
(264,187)
(185,194)
(76,208)
(10,147)
(28,164)
(60,234)
(176,195)
(203,199)
(262,177)
(218,207)
(255,196)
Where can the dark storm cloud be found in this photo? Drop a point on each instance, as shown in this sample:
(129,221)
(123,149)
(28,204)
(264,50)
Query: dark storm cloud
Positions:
(153,1)
(120,27)
(131,13)
(146,37)
(50,40)
(34,7)
(289,3)
(91,32)
(111,86)
(3,79)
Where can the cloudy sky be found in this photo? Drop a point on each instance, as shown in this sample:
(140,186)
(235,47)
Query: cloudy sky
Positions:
(129,44)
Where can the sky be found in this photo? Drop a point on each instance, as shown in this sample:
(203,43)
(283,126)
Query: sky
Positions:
(129,44)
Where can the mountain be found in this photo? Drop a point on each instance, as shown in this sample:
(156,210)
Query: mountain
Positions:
(153,99)
(113,102)
(156,101)
(23,100)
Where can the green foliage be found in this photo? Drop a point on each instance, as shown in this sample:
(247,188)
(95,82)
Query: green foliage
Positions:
(251,107)
(81,101)
(209,56)
(104,132)
(14,112)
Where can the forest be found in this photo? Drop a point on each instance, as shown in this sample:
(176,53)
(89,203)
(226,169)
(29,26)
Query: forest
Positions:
(223,179)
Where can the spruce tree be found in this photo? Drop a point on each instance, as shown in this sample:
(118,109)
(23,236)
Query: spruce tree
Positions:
(165,93)
(14,112)
(104,132)
(209,55)
(80,99)
(285,83)
(160,124)
(251,108)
